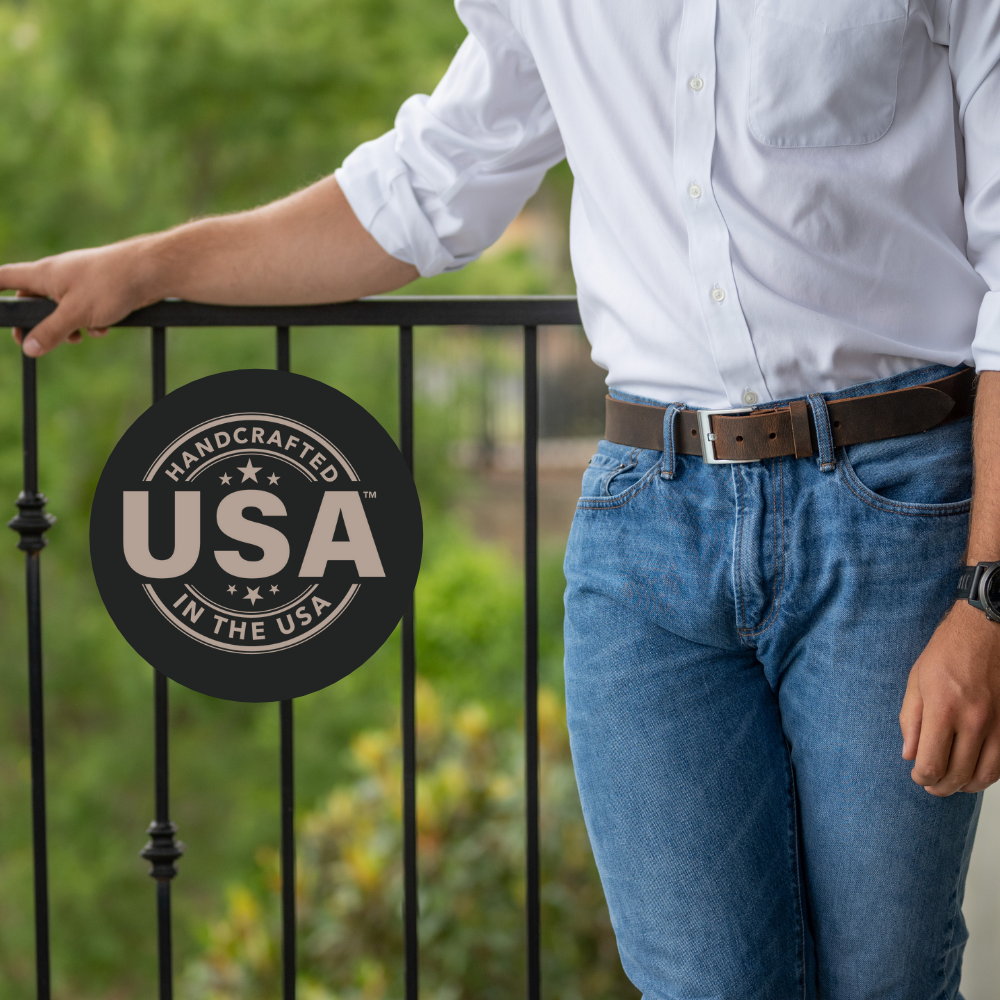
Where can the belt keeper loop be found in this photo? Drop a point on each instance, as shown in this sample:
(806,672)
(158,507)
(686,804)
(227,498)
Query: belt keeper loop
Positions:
(668,464)
(824,435)
(798,410)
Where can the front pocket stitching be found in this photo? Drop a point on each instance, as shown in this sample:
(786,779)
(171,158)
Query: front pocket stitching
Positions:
(617,470)
(594,503)
(887,506)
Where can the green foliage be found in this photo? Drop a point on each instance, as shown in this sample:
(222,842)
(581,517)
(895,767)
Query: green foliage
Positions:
(470,846)
(122,116)
(126,115)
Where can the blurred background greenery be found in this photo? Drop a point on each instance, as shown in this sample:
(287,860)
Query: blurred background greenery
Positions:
(123,116)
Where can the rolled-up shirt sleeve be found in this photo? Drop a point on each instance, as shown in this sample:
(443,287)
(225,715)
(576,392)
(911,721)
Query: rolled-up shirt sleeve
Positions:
(974,52)
(458,166)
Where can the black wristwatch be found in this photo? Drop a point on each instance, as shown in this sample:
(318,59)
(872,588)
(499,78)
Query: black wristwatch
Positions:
(980,586)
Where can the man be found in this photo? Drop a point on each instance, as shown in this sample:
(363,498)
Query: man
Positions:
(790,208)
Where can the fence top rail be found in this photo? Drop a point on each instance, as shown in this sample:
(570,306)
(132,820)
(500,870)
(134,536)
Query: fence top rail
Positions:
(379,310)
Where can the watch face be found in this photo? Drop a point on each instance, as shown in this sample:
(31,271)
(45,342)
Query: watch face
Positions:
(990,589)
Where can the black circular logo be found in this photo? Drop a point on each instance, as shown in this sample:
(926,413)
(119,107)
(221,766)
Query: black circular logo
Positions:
(255,535)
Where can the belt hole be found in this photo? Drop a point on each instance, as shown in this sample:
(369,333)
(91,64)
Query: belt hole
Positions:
(739,438)
(694,433)
(772,435)
(836,423)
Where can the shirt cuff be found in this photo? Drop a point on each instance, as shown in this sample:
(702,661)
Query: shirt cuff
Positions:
(376,182)
(986,344)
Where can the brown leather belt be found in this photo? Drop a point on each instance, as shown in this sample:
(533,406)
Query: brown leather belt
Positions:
(749,436)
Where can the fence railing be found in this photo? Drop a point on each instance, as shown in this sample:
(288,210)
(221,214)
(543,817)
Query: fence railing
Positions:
(163,848)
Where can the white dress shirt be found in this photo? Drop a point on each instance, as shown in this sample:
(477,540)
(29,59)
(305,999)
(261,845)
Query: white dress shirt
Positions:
(771,198)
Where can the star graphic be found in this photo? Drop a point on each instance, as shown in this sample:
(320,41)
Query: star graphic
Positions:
(274,589)
(231,589)
(253,596)
(225,479)
(249,471)
(273,479)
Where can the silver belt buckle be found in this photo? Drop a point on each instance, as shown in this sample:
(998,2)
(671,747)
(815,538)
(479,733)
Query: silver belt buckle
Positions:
(707,438)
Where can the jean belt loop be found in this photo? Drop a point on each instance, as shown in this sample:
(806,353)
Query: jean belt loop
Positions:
(824,436)
(668,466)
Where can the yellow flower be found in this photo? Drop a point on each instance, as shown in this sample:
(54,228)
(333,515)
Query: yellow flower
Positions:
(364,864)
(452,780)
(502,788)
(372,748)
(472,722)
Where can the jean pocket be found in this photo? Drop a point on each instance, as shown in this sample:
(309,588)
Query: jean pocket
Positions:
(918,475)
(823,72)
(615,473)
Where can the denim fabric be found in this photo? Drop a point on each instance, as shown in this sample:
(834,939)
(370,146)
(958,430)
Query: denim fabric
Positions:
(738,639)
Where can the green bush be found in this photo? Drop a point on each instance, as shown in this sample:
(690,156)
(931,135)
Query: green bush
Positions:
(470,845)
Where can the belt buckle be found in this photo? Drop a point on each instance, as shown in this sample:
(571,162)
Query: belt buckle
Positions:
(706,437)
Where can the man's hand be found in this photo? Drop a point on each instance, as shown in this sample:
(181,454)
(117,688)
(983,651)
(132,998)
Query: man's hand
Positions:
(951,712)
(304,249)
(94,288)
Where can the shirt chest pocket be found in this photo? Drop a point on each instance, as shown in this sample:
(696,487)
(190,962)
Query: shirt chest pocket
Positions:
(823,72)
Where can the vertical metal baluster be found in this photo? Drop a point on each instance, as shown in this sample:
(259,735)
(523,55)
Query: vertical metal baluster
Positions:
(31,524)
(163,849)
(408,708)
(288,951)
(289,961)
(532,902)
(284,349)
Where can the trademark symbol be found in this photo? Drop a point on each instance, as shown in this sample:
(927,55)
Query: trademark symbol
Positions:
(370,494)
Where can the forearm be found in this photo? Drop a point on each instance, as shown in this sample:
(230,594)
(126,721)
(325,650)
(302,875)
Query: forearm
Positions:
(984,524)
(308,247)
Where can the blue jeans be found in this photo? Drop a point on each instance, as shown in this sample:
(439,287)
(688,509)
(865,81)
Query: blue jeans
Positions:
(738,639)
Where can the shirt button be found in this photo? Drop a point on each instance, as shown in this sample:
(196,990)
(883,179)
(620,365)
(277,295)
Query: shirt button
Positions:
(696,83)
(718,294)
(694,191)
(749,397)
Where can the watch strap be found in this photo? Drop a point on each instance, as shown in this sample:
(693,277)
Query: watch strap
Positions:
(968,582)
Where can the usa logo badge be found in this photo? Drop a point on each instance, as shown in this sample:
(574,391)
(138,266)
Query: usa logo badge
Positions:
(256,535)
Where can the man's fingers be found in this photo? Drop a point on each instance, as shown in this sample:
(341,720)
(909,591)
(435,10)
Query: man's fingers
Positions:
(25,278)
(934,751)
(910,716)
(962,762)
(17,333)
(51,332)
(988,768)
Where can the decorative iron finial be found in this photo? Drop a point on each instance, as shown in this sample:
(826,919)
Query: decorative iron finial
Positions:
(32,522)
(162,850)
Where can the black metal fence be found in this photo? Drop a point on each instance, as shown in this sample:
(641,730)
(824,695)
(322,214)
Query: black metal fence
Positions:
(163,848)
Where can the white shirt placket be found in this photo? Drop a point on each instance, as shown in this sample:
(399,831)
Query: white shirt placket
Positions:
(708,235)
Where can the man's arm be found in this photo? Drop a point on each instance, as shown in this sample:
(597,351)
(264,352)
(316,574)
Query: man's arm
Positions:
(436,190)
(951,712)
(306,248)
